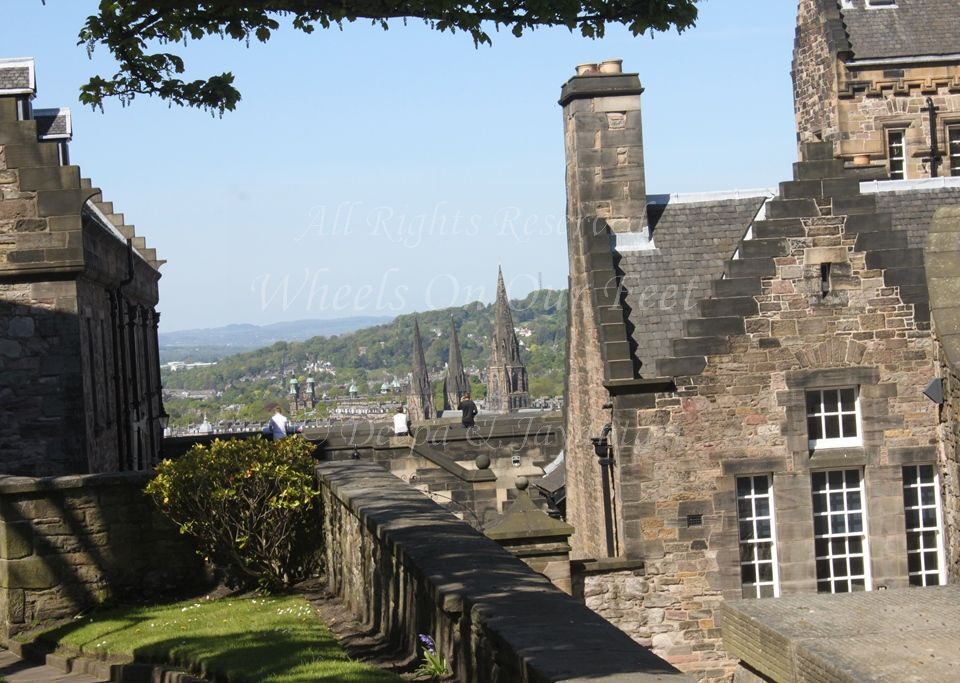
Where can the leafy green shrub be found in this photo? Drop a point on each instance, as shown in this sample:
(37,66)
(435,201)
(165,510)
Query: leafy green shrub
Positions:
(252,505)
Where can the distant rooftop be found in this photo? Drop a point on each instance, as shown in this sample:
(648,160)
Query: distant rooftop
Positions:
(884,29)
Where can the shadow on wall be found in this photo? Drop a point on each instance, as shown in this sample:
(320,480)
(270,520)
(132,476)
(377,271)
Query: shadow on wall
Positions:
(405,567)
(71,543)
(79,392)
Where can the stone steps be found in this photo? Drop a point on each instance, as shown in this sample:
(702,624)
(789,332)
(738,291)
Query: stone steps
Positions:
(708,327)
(778,227)
(740,286)
(763,248)
(792,208)
(750,267)
(819,188)
(728,307)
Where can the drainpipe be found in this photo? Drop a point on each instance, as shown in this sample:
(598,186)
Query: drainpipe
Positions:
(120,364)
(935,158)
(604,453)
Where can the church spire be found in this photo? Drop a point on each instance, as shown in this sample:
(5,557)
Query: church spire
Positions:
(456,384)
(420,393)
(506,377)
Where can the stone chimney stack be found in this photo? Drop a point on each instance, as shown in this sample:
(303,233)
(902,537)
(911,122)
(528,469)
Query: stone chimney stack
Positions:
(605,187)
(604,148)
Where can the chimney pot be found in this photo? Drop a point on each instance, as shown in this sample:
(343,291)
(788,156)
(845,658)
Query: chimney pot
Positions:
(586,69)
(611,66)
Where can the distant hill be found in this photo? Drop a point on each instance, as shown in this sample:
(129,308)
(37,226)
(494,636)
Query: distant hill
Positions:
(217,342)
(376,354)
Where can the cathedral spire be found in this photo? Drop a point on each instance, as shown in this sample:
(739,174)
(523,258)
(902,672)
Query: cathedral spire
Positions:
(506,376)
(420,393)
(456,384)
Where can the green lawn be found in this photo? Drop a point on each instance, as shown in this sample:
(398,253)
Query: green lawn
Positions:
(269,639)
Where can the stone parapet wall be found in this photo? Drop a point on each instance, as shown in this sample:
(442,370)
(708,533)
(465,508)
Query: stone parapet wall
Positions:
(405,567)
(439,458)
(68,544)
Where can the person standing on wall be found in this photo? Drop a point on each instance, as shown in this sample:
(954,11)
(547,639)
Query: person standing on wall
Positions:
(468,411)
(401,423)
(278,425)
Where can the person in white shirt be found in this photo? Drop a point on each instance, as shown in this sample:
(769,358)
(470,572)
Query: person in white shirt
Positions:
(401,426)
(278,425)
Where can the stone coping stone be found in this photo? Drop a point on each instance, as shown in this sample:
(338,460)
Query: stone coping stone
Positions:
(906,635)
(365,433)
(12,484)
(556,637)
(607,565)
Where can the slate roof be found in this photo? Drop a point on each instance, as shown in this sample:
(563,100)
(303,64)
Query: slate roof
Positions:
(16,75)
(663,285)
(53,123)
(911,28)
(913,209)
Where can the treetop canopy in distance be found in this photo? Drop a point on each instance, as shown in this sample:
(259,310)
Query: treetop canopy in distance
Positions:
(128,29)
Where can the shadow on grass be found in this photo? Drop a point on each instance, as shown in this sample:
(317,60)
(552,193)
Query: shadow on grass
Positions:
(212,639)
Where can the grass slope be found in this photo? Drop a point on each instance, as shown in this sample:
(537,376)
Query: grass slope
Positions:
(268,639)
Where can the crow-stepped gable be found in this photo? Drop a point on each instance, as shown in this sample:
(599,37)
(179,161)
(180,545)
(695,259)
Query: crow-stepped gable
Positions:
(78,296)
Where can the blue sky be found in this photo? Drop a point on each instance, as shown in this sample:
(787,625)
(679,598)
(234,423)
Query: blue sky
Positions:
(376,173)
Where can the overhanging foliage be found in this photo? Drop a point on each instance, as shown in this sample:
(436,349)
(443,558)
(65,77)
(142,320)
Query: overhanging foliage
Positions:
(130,29)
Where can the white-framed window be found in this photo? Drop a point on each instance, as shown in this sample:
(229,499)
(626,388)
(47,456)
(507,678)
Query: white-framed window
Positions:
(953,149)
(921,508)
(840,531)
(833,417)
(759,575)
(897,153)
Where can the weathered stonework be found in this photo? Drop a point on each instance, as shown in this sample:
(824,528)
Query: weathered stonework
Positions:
(817,288)
(78,292)
(851,89)
(405,567)
(943,279)
(68,544)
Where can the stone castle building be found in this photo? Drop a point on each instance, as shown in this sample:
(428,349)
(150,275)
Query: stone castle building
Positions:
(507,388)
(78,295)
(420,390)
(880,81)
(748,408)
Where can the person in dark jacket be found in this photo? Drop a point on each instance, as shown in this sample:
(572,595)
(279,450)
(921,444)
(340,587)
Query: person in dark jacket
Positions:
(468,411)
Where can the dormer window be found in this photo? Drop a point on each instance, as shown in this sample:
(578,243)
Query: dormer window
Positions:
(881,4)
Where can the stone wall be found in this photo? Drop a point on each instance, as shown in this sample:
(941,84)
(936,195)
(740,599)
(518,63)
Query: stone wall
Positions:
(942,267)
(68,544)
(440,457)
(405,567)
(606,195)
(819,38)
(853,105)
(78,347)
(867,112)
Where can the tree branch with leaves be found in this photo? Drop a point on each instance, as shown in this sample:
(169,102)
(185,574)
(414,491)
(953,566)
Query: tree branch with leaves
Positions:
(132,30)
